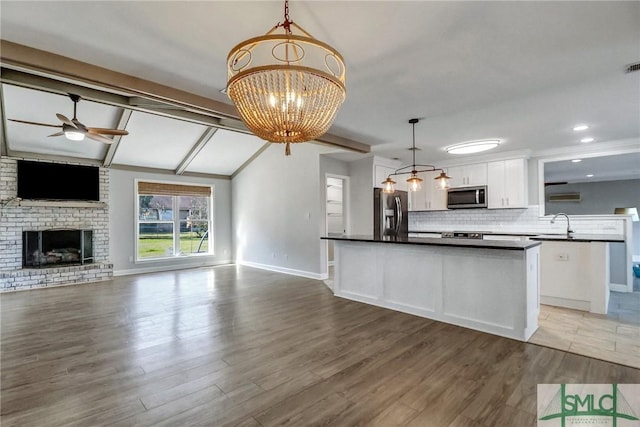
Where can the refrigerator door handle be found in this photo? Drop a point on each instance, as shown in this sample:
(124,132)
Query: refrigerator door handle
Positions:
(399,214)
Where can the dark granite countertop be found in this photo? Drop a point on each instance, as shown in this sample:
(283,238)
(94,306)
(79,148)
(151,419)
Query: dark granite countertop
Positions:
(467,243)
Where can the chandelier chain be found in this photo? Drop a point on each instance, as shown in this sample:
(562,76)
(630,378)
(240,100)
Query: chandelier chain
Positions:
(286,24)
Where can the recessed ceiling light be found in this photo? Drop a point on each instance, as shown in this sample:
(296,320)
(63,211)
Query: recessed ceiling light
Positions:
(587,140)
(580,127)
(576,160)
(473,146)
(589,175)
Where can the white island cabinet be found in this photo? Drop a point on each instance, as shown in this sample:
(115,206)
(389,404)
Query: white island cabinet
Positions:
(490,286)
(575,271)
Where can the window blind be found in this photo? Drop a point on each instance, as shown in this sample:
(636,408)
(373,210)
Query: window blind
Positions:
(162,189)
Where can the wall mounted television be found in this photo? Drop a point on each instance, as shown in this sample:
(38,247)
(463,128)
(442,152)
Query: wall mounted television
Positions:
(57,181)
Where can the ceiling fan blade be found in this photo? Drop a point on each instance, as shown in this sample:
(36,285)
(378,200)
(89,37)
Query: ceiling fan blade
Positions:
(57,134)
(65,120)
(35,123)
(104,131)
(99,138)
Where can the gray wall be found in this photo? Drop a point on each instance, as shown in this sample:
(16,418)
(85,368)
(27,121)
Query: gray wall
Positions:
(278,209)
(361,173)
(122,221)
(599,198)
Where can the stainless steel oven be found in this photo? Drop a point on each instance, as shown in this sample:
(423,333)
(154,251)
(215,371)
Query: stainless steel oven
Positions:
(467,197)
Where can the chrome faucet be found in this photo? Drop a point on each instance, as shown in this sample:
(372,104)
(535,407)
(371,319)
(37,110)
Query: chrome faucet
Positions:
(569,230)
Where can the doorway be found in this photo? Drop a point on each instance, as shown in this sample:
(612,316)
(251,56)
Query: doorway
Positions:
(336,191)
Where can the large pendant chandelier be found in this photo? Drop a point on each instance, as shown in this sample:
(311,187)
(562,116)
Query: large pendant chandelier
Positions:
(287,87)
(414,182)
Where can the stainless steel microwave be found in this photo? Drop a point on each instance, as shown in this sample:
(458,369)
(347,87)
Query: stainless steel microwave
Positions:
(467,197)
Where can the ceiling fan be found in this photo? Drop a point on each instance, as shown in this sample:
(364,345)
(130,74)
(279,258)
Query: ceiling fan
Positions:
(75,130)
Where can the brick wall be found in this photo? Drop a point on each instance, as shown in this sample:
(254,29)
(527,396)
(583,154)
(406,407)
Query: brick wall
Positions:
(16,217)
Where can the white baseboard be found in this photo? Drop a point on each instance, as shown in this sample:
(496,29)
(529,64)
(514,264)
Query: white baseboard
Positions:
(618,287)
(565,302)
(278,269)
(158,268)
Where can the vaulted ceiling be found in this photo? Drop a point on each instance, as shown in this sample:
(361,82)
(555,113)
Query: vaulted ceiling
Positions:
(523,72)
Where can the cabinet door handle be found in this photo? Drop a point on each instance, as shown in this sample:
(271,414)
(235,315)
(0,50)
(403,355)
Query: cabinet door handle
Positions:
(507,201)
(502,201)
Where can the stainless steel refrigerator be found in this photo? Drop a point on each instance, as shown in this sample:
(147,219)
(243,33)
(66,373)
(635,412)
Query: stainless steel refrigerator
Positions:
(390,219)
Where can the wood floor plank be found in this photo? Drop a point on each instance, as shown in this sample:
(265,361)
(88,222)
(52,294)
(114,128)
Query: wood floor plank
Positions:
(234,345)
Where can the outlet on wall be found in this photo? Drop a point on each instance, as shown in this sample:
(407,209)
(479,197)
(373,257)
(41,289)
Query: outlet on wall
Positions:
(562,257)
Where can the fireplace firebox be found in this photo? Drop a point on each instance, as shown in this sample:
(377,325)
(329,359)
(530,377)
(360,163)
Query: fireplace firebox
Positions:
(52,248)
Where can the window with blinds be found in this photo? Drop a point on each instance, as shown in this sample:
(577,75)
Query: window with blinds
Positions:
(174,220)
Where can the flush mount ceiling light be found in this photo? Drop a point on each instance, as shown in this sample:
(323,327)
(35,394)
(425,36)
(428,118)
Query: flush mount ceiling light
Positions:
(287,88)
(473,146)
(576,160)
(587,140)
(578,128)
(414,181)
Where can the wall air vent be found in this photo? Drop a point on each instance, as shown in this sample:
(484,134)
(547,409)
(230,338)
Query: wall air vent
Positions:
(633,67)
(565,197)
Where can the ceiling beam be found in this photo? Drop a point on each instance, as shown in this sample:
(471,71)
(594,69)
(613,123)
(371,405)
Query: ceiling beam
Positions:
(39,61)
(143,169)
(202,141)
(34,61)
(45,84)
(125,115)
(251,159)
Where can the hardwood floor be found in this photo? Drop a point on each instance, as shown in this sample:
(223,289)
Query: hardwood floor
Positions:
(239,346)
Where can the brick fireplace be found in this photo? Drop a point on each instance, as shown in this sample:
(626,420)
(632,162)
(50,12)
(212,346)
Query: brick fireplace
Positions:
(17,217)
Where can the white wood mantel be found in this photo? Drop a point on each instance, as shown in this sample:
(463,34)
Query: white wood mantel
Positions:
(490,289)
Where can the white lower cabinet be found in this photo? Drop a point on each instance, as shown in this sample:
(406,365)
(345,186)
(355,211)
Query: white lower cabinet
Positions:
(427,235)
(507,184)
(503,237)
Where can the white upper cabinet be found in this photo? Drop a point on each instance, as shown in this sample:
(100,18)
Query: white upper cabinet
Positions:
(507,184)
(418,199)
(468,175)
(436,197)
(381,172)
(430,197)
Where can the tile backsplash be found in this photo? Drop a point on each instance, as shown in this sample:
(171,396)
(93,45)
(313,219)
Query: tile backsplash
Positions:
(511,220)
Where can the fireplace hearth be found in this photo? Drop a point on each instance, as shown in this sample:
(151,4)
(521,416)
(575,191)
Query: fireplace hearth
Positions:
(52,248)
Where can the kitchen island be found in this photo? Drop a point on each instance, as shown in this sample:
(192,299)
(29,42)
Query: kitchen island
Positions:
(489,286)
(575,271)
